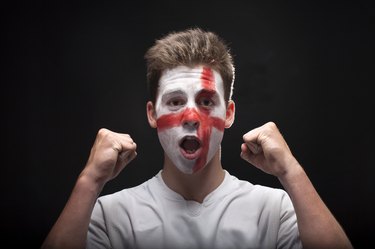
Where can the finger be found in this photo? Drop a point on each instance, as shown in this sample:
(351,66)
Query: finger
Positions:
(127,142)
(254,147)
(252,134)
(127,156)
(245,152)
(252,141)
(125,137)
(132,156)
(124,155)
(125,147)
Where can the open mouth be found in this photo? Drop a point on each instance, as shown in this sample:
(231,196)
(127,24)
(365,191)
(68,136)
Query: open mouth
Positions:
(190,146)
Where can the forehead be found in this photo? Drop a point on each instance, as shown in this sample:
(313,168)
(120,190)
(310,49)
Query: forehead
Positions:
(186,78)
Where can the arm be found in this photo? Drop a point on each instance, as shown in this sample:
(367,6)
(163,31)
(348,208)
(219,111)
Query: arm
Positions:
(110,153)
(266,149)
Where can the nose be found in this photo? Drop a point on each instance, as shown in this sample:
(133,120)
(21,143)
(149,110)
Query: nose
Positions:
(191,119)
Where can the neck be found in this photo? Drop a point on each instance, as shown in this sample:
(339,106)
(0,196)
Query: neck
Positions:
(194,186)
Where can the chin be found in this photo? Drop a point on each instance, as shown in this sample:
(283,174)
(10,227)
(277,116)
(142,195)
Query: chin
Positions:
(185,166)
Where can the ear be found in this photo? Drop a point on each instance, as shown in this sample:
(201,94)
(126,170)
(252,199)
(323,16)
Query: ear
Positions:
(231,109)
(151,114)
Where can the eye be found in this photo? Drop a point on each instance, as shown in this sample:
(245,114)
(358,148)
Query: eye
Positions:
(205,102)
(175,103)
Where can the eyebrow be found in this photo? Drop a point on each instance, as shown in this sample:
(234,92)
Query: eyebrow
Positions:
(206,92)
(173,93)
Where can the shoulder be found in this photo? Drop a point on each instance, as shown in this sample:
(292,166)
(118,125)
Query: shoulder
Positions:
(129,196)
(257,193)
(251,188)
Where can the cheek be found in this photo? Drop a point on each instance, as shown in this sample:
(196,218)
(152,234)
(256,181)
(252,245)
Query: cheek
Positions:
(216,136)
(213,121)
(215,141)
(219,111)
(161,110)
(212,133)
(168,141)
(211,130)
(165,137)
(169,135)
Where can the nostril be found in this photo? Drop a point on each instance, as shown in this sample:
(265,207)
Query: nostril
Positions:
(190,118)
(191,123)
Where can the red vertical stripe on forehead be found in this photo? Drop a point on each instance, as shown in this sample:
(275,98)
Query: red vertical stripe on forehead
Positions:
(208,79)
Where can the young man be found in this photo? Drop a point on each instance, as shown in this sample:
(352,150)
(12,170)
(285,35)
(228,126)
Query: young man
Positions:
(193,202)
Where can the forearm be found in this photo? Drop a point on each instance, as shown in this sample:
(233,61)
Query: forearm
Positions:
(317,226)
(70,229)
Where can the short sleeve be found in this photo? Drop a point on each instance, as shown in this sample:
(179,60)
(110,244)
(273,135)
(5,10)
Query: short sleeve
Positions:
(97,236)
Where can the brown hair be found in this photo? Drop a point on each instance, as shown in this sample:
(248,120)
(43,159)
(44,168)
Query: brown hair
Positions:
(190,47)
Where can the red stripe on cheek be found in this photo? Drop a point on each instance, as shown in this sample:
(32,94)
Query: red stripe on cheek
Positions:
(208,79)
(169,120)
(175,119)
(218,123)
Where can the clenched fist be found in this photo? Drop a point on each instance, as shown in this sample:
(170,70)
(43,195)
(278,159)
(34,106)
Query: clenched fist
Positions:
(265,148)
(110,153)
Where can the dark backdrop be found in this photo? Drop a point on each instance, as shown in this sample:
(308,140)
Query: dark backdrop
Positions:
(70,69)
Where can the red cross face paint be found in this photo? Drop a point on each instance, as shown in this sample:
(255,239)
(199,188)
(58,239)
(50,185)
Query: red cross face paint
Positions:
(190,110)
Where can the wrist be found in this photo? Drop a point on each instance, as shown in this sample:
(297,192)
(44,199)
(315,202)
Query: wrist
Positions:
(293,170)
(90,181)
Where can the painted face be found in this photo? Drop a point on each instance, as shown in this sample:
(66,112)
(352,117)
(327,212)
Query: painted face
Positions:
(190,112)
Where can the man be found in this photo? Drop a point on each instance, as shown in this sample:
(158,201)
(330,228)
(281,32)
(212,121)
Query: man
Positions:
(193,202)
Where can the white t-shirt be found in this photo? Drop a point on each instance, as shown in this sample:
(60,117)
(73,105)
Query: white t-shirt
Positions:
(237,214)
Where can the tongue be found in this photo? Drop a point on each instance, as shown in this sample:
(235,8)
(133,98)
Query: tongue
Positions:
(190,145)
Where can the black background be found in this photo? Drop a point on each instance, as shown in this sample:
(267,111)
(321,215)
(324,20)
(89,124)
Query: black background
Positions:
(71,69)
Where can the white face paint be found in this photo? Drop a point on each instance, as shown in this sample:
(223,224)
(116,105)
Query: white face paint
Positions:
(190,111)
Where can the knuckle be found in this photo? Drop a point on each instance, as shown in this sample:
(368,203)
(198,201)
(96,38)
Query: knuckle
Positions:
(246,136)
(103,132)
(132,146)
(271,125)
